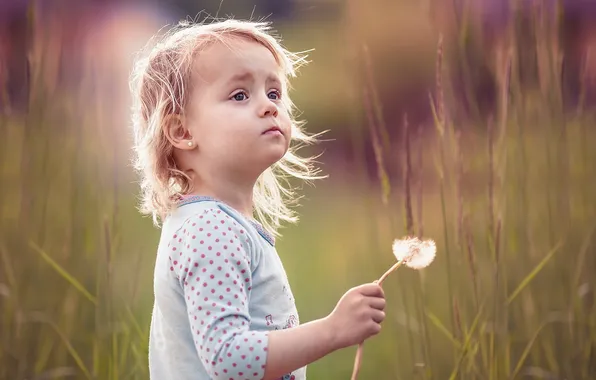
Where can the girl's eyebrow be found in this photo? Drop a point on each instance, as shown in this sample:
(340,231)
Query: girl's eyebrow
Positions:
(273,79)
(246,76)
(242,77)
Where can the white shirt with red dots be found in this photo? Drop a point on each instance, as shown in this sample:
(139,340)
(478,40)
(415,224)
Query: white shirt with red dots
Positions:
(220,288)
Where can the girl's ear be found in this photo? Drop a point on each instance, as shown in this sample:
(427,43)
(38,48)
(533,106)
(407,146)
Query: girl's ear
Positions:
(177,134)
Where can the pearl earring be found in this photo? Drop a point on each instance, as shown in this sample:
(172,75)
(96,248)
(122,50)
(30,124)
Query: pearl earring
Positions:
(189,143)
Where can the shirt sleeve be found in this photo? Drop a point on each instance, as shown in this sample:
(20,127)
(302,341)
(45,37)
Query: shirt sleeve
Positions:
(211,256)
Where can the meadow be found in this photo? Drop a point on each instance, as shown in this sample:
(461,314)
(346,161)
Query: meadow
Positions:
(510,200)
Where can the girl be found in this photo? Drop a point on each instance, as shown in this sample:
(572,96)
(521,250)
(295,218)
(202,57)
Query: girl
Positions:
(213,126)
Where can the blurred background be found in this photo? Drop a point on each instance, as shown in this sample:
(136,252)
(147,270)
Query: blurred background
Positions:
(468,122)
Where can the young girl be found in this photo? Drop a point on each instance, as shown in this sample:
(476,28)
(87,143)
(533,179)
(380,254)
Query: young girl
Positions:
(213,129)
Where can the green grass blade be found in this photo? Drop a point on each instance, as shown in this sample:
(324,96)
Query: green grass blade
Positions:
(529,346)
(38,317)
(581,257)
(438,324)
(466,345)
(533,273)
(9,272)
(526,351)
(137,327)
(437,121)
(62,272)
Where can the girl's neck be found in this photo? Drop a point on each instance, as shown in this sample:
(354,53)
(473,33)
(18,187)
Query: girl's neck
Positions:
(233,194)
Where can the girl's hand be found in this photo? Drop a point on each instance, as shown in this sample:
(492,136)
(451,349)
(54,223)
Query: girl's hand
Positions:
(357,316)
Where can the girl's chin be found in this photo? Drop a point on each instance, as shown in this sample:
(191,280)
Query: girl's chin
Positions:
(273,156)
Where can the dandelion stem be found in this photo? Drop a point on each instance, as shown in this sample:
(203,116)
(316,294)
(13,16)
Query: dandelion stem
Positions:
(358,359)
(389,271)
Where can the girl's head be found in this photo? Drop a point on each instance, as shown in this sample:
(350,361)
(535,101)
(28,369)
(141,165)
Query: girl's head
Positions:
(212,100)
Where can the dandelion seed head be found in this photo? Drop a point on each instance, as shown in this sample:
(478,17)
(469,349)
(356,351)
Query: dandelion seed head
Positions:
(415,254)
(402,248)
(424,254)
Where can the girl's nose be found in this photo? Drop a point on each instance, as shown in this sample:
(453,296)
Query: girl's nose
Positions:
(268,108)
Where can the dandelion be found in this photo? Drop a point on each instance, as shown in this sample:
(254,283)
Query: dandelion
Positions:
(423,254)
(411,252)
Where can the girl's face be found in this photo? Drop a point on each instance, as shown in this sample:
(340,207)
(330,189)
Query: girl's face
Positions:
(236,115)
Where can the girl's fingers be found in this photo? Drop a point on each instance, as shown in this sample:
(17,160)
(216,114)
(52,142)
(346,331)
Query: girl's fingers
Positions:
(378,316)
(377,303)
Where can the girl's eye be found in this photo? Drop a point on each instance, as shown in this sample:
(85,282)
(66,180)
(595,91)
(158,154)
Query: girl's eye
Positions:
(274,95)
(240,96)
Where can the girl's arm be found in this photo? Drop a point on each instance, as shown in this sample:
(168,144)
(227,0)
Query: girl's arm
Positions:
(210,255)
(297,347)
(356,317)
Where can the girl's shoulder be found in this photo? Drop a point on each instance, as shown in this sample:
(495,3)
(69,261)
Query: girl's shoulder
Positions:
(210,212)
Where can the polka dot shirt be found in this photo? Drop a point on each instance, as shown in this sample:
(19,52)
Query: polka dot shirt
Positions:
(220,288)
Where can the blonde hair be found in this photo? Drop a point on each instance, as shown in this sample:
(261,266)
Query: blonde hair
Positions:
(160,84)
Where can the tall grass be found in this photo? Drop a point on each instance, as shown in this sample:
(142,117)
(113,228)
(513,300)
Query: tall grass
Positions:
(518,309)
(509,200)
(63,313)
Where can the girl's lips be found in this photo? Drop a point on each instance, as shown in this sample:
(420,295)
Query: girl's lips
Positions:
(273,130)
